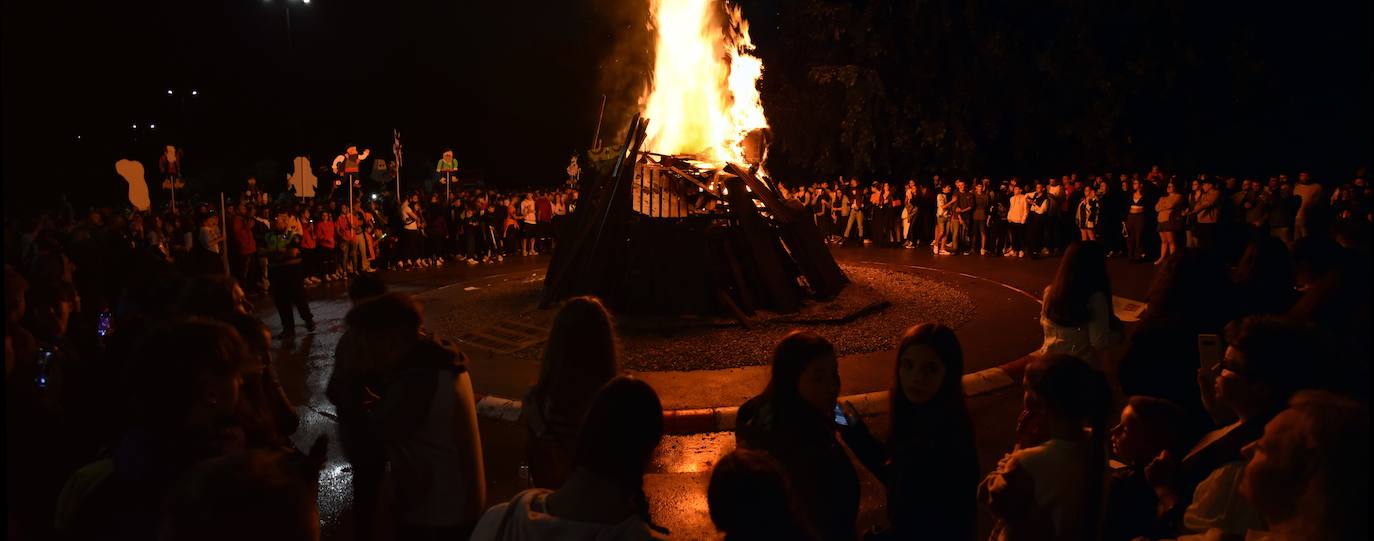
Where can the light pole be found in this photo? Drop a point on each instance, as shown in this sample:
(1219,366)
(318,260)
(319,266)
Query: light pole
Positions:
(295,81)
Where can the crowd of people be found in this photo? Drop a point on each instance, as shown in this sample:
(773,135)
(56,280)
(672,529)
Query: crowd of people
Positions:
(143,400)
(1141,217)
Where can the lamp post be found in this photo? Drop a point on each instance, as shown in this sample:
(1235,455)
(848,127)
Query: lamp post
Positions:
(295,81)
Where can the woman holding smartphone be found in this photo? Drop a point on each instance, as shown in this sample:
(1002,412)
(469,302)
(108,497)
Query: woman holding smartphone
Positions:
(794,420)
(929,464)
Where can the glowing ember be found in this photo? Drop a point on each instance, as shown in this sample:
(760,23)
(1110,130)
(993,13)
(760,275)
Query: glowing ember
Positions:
(704,100)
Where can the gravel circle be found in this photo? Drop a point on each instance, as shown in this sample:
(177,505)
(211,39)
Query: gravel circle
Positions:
(457,310)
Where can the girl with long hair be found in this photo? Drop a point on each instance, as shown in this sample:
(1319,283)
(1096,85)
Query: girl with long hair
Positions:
(580,356)
(1076,313)
(794,421)
(929,465)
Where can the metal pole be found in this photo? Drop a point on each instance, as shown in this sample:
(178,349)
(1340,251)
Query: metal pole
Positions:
(597,136)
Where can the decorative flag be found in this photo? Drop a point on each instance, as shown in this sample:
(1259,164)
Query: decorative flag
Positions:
(396,146)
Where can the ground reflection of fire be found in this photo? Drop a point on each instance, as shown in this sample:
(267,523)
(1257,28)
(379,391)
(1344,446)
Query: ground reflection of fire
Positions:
(704,100)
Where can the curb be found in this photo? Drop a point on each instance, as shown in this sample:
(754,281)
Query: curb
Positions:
(720,419)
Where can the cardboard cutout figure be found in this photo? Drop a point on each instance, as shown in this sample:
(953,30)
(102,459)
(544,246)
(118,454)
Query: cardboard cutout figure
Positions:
(346,165)
(302,180)
(447,168)
(132,172)
(169,164)
(574,172)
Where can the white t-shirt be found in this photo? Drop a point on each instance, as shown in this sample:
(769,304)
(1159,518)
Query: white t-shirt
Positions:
(527,211)
(1016,212)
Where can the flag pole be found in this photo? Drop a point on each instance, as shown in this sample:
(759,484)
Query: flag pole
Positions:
(396,152)
(223,234)
(597,136)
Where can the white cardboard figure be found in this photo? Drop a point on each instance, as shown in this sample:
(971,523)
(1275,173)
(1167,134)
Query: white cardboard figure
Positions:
(132,172)
(302,178)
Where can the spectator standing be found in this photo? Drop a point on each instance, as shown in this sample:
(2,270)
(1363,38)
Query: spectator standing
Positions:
(529,218)
(243,245)
(352,388)
(211,243)
(1137,222)
(287,277)
(1088,214)
(1037,220)
(943,205)
(1283,212)
(426,416)
(1018,211)
(326,241)
(1207,211)
(978,224)
(1169,210)
(1311,194)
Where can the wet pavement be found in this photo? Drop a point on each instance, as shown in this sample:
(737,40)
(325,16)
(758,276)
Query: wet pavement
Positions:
(676,486)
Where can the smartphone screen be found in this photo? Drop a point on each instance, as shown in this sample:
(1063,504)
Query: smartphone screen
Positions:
(840,418)
(1209,350)
(102,326)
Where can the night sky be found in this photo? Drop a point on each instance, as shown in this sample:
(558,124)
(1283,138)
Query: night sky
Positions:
(510,88)
(513,87)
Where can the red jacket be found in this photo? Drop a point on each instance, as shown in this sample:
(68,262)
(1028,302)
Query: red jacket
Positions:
(241,233)
(324,234)
(543,209)
(343,227)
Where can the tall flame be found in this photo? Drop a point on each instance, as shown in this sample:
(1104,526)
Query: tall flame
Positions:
(705,99)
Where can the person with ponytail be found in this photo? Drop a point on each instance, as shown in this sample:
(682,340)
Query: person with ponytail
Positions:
(1051,485)
(930,463)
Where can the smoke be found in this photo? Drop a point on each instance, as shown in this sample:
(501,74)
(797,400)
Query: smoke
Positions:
(627,68)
